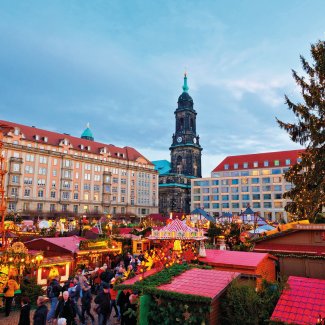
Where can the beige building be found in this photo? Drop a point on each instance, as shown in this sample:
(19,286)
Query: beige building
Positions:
(254,180)
(54,174)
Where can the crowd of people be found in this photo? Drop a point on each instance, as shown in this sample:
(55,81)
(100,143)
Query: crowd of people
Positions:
(88,297)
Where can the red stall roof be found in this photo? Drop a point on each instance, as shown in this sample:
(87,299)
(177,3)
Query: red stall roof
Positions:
(302,302)
(201,282)
(286,248)
(234,259)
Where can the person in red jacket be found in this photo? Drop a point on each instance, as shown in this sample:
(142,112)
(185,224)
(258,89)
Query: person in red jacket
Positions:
(113,294)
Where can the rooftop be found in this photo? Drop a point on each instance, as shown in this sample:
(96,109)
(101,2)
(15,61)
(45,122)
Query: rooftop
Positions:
(201,282)
(274,159)
(301,302)
(233,259)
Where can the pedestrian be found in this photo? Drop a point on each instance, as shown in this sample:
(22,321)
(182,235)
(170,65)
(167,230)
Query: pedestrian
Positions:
(24,317)
(74,294)
(103,300)
(41,311)
(86,301)
(113,294)
(53,292)
(130,314)
(65,308)
(9,294)
(122,302)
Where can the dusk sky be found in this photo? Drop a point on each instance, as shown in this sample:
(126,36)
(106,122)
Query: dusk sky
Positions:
(119,65)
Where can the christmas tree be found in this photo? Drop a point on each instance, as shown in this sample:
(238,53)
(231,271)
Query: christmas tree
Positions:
(308,174)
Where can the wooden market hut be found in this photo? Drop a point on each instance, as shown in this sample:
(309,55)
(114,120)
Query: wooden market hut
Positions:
(72,251)
(300,249)
(253,267)
(301,302)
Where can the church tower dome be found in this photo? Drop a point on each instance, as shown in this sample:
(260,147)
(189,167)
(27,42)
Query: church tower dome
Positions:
(87,134)
(185,101)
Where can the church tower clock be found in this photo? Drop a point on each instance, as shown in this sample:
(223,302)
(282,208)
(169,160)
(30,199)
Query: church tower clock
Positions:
(185,150)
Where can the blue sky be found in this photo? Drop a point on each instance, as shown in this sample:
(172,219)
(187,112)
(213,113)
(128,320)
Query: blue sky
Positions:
(119,65)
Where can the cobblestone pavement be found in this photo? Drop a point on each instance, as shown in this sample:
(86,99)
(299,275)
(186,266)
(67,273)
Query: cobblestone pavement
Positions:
(13,318)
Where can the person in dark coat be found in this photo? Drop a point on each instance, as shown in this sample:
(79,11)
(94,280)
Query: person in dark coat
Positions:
(65,309)
(41,311)
(122,302)
(103,300)
(24,318)
(130,314)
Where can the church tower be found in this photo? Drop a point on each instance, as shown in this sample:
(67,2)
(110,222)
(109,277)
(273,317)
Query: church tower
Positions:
(185,150)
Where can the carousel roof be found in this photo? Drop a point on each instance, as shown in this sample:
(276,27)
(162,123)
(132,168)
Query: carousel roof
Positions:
(177,229)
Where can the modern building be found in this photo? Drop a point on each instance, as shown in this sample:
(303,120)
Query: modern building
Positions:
(54,174)
(253,180)
(185,151)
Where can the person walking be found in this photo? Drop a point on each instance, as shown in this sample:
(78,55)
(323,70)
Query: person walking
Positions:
(103,300)
(11,287)
(65,308)
(113,294)
(53,292)
(24,317)
(41,311)
(86,301)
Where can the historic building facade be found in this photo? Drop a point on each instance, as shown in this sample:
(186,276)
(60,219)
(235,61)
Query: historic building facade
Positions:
(254,180)
(185,151)
(55,174)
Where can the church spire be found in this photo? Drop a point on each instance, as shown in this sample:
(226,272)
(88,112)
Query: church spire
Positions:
(185,86)
(87,134)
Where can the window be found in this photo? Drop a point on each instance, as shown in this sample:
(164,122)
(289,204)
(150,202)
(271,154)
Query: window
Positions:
(235,166)
(268,205)
(244,180)
(224,189)
(245,164)
(278,205)
(28,181)
(244,173)
(41,182)
(197,198)
(255,189)
(52,207)
(42,160)
(225,205)
(67,174)
(96,187)
(53,184)
(55,161)
(255,180)
(75,208)
(67,163)
(255,164)
(87,166)
(86,196)
(245,197)
(225,197)
(97,179)
(234,190)
(76,186)
(266,180)
(75,196)
(256,196)
(53,194)
(15,179)
(115,180)
(276,171)
(97,168)
(266,188)
(39,207)
(266,163)
(235,205)
(267,196)
(276,163)
(15,167)
(27,192)
(277,196)
(206,190)
(65,184)
(66,195)
(266,172)
(64,207)
(215,197)
(235,181)
(42,171)
(206,205)
(76,175)
(288,162)
(29,157)
(215,182)
(96,197)
(40,193)
(77,164)
(226,166)
(244,189)
(29,169)
(255,172)
(87,177)
(215,190)
(54,172)
(256,205)
(215,205)
(235,197)
(206,198)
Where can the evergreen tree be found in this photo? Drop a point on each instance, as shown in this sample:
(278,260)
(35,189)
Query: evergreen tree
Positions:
(308,175)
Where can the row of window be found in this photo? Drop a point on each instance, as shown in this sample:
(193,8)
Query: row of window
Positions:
(236,197)
(256,164)
(243,205)
(244,189)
